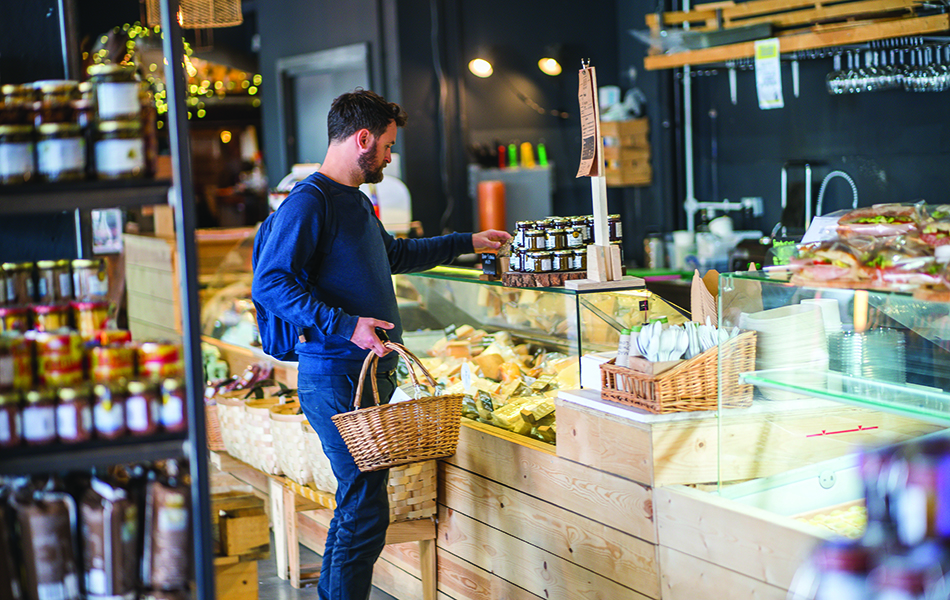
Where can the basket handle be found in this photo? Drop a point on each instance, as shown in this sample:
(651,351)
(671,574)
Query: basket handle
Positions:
(369,364)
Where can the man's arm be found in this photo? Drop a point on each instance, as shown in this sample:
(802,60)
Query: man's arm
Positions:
(414,255)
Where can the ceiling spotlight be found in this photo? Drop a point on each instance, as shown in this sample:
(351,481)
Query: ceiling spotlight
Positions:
(480,67)
(549,66)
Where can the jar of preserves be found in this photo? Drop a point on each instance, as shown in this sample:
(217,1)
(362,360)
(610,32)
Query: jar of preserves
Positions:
(17,106)
(516,260)
(85,111)
(50,317)
(16,154)
(60,152)
(108,413)
(172,415)
(74,414)
(54,284)
(16,361)
(534,240)
(90,280)
(581,222)
(9,419)
(39,418)
(580,260)
(521,228)
(590,229)
(560,222)
(19,279)
(90,316)
(555,239)
(613,228)
(120,150)
(59,358)
(142,408)
(117,91)
(114,336)
(575,237)
(112,362)
(14,318)
(54,104)
(563,260)
(159,360)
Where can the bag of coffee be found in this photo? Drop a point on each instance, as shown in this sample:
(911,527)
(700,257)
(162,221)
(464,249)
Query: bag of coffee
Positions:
(110,541)
(167,557)
(47,533)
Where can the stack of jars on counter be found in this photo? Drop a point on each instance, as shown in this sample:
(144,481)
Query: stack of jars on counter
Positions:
(51,294)
(903,553)
(65,130)
(557,244)
(117,534)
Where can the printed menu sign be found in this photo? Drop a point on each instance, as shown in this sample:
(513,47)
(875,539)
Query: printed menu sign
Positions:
(591,161)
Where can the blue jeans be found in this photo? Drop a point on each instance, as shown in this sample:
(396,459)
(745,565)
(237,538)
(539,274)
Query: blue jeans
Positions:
(357,532)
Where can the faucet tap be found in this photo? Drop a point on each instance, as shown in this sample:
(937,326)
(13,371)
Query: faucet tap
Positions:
(824,184)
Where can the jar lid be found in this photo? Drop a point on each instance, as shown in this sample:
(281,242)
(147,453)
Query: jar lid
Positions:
(15,129)
(47,128)
(533,232)
(16,88)
(82,263)
(127,125)
(45,309)
(9,397)
(108,389)
(89,304)
(171,384)
(55,85)
(562,252)
(12,311)
(63,262)
(45,264)
(137,387)
(103,69)
(23,266)
(85,86)
(67,394)
(557,231)
(35,396)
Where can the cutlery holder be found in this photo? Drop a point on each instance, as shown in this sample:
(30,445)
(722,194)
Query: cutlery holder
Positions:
(691,385)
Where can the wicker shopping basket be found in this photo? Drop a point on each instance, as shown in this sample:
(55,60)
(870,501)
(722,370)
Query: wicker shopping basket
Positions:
(286,423)
(691,385)
(387,435)
(230,408)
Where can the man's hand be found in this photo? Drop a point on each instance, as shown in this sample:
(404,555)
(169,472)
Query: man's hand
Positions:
(490,239)
(364,335)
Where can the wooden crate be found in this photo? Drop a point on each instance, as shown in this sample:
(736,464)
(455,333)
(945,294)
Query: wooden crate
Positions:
(627,152)
(239,525)
(235,580)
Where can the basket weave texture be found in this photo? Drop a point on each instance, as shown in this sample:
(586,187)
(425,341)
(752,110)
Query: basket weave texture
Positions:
(231,423)
(383,436)
(259,437)
(320,470)
(289,442)
(213,428)
(200,14)
(689,386)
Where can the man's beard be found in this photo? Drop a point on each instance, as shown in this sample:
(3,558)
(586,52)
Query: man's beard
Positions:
(367,162)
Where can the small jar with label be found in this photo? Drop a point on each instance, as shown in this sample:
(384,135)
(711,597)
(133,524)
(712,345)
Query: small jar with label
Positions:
(516,261)
(117,91)
(50,317)
(555,239)
(17,105)
(54,281)
(521,228)
(9,419)
(90,316)
(575,237)
(546,261)
(563,260)
(19,279)
(108,413)
(39,418)
(532,262)
(120,150)
(55,101)
(159,360)
(560,222)
(112,362)
(590,229)
(172,415)
(614,229)
(14,318)
(535,240)
(60,152)
(580,259)
(581,222)
(74,414)
(142,408)
(90,280)
(16,361)
(16,154)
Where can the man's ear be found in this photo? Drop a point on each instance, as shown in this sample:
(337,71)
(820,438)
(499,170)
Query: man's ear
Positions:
(364,138)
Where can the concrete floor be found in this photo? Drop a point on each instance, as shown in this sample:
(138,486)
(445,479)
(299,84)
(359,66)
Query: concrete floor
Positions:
(272,587)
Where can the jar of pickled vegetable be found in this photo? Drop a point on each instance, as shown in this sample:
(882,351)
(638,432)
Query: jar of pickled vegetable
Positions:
(60,152)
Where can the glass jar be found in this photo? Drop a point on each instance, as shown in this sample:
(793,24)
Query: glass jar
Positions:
(120,150)
(142,408)
(50,317)
(74,414)
(117,91)
(39,418)
(560,222)
(17,107)
(108,413)
(60,152)
(16,154)
(581,222)
(575,237)
(521,228)
(9,419)
(112,363)
(516,260)
(159,360)
(54,103)
(14,318)
(532,262)
(85,111)
(172,415)
(613,228)
(59,358)
(19,278)
(90,316)
(563,260)
(590,229)
(90,280)
(555,239)
(580,260)
(16,361)
(544,261)
(54,283)
(534,240)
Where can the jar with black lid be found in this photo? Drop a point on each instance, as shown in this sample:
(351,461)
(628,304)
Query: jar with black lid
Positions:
(117,91)
(120,150)
(17,107)
(16,154)
(54,104)
(60,152)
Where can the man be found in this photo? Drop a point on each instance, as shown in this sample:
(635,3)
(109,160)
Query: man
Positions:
(325,267)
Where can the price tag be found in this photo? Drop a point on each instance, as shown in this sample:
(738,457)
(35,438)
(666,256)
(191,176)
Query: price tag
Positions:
(466,377)
(768,74)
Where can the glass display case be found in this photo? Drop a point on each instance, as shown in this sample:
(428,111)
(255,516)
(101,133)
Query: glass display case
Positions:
(838,371)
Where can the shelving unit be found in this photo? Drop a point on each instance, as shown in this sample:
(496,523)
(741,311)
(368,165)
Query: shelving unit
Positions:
(178,192)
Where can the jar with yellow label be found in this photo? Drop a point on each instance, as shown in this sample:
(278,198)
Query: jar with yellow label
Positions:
(60,152)
(90,316)
(117,91)
(16,154)
(17,106)
(50,317)
(14,318)
(55,101)
(120,150)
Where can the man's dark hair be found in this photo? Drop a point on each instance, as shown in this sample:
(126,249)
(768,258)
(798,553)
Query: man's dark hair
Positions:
(362,109)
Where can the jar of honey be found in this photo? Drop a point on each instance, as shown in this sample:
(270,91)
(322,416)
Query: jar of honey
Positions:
(90,281)
(17,106)
(19,279)
(54,284)
(55,102)
(172,414)
(142,408)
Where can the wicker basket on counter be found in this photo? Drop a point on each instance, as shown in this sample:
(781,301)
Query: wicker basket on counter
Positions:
(230,409)
(286,423)
(691,385)
(258,436)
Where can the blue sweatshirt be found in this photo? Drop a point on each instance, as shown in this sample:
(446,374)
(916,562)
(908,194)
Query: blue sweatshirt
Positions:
(327,260)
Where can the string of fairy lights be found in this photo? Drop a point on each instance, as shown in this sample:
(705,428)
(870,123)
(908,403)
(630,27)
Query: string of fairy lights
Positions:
(134,43)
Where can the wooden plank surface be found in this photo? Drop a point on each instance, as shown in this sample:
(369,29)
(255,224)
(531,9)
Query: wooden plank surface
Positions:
(686,577)
(606,498)
(572,537)
(744,539)
(534,569)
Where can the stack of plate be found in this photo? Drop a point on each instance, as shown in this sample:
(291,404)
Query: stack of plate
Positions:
(877,354)
(790,337)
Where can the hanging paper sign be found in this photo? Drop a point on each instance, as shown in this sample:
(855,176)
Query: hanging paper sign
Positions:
(768,74)
(591,161)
